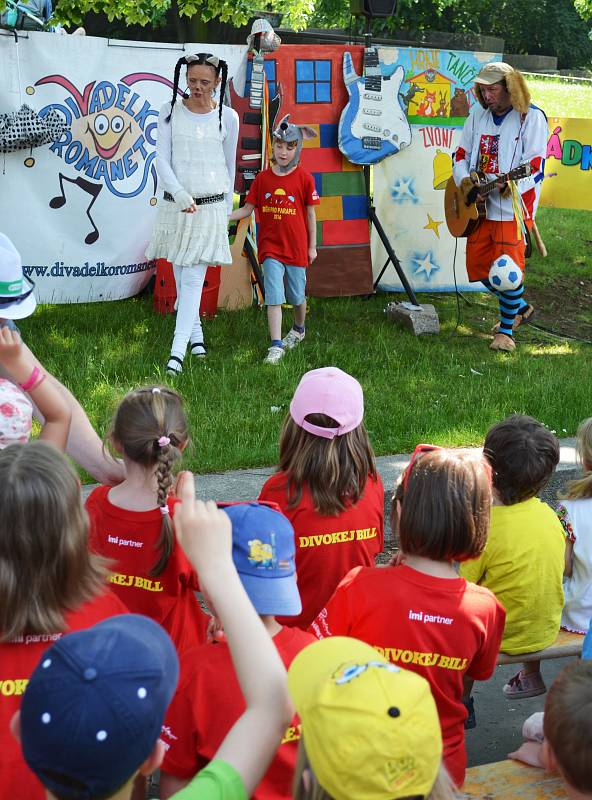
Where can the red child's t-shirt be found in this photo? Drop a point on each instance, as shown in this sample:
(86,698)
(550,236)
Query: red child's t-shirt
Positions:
(327,547)
(209,701)
(18,659)
(130,540)
(441,628)
(281,202)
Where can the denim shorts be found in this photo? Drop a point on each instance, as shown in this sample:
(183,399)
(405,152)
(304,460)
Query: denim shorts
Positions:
(275,275)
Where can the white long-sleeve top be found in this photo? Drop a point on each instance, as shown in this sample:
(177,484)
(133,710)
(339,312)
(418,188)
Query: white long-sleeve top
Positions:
(496,145)
(164,156)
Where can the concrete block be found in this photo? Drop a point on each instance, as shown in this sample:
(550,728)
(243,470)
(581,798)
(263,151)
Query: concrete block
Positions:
(418,319)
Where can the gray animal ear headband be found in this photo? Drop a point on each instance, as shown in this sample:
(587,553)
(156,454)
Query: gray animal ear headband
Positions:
(213,61)
(288,132)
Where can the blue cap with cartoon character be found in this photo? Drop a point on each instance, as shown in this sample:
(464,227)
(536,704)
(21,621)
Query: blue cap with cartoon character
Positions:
(263,552)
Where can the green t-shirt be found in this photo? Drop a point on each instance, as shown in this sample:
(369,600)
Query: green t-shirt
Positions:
(218,781)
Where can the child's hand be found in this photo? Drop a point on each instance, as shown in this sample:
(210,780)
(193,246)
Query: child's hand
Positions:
(312,254)
(529,753)
(397,559)
(203,530)
(11,348)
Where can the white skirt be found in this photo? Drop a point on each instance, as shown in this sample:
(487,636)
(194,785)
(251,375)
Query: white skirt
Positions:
(186,239)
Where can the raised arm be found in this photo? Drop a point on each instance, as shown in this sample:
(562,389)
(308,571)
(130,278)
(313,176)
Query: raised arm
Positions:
(84,446)
(16,359)
(205,534)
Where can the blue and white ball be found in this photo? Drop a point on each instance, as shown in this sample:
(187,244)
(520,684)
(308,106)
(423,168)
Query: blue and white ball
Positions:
(505,274)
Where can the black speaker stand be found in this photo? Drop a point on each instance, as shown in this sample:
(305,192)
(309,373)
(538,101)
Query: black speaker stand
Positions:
(373,216)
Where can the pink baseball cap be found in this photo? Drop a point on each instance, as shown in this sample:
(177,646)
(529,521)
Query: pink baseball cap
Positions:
(329,391)
(16,415)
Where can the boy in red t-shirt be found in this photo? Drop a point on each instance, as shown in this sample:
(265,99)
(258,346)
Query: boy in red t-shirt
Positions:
(209,700)
(284,196)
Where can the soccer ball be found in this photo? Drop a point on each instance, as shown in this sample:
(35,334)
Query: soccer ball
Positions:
(505,274)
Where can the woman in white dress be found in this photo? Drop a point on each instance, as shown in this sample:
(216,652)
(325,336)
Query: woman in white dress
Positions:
(196,154)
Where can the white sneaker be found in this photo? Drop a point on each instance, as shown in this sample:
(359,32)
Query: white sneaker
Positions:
(174,366)
(292,339)
(198,349)
(274,354)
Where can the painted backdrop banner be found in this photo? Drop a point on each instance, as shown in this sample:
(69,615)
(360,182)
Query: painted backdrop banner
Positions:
(437,92)
(568,169)
(80,210)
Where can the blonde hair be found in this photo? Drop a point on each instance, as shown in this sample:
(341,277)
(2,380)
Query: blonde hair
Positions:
(143,417)
(582,487)
(335,470)
(443,788)
(46,569)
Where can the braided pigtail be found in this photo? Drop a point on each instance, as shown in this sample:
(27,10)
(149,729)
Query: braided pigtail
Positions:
(165,459)
(224,70)
(150,429)
(178,66)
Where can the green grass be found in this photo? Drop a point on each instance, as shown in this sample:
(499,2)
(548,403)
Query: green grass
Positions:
(446,389)
(562,97)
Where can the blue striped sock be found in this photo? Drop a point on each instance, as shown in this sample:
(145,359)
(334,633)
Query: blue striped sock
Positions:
(510,303)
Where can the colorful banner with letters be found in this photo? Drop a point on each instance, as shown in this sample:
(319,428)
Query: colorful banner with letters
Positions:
(81,210)
(568,169)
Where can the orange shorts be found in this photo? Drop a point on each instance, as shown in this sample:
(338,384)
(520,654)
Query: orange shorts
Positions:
(491,239)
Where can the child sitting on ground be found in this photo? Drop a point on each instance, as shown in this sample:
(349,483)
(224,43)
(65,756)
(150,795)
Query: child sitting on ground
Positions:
(561,738)
(370,729)
(209,700)
(327,486)
(49,583)
(421,614)
(93,715)
(575,514)
(523,560)
(16,410)
(285,197)
(132,523)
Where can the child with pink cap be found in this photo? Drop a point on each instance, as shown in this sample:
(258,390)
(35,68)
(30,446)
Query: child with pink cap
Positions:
(327,485)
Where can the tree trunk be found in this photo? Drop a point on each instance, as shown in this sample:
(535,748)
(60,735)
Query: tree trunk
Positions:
(197,29)
(178,22)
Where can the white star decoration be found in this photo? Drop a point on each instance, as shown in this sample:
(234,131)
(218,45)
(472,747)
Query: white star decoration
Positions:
(425,264)
(402,190)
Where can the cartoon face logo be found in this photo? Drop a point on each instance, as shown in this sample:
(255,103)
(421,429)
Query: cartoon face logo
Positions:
(111,139)
(260,553)
(348,672)
(108,132)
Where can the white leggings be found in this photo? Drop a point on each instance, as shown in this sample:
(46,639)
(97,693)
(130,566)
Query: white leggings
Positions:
(189,282)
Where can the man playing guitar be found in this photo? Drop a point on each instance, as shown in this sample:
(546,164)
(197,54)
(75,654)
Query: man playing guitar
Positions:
(504,131)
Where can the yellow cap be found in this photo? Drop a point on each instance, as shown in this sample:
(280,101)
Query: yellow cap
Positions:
(370,728)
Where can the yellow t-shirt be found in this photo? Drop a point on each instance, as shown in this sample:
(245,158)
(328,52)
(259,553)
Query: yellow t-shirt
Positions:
(522,564)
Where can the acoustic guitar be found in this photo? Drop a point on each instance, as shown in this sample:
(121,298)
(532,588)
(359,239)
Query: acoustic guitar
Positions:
(463,216)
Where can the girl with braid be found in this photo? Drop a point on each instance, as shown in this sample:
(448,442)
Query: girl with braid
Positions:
(195,158)
(132,523)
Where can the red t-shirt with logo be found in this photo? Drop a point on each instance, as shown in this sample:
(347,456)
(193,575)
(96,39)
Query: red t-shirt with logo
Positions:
(130,540)
(327,547)
(18,659)
(209,701)
(441,628)
(281,202)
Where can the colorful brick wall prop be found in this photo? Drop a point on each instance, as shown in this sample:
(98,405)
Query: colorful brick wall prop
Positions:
(310,81)
(409,186)
(568,168)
